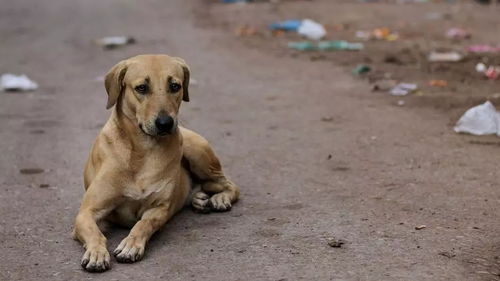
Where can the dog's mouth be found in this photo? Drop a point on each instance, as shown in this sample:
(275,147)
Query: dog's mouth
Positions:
(159,134)
(144,131)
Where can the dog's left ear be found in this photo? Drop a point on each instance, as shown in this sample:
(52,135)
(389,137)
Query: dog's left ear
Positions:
(114,82)
(185,82)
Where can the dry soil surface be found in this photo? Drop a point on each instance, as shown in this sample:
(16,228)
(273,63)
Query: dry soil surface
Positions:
(317,155)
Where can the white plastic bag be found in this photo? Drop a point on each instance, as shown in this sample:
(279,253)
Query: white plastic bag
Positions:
(479,120)
(111,42)
(11,82)
(403,89)
(311,30)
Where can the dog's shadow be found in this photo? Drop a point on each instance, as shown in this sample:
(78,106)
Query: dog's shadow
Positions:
(185,227)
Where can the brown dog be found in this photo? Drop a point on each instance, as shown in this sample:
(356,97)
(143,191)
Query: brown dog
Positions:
(142,165)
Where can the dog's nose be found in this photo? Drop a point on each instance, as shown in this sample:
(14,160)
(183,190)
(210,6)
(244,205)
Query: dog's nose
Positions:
(164,124)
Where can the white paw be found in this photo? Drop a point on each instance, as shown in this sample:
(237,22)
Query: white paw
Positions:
(130,250)
(220,202)
(200,202)
(96,259)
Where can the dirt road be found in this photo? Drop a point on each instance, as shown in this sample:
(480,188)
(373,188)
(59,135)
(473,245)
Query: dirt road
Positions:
(369,173)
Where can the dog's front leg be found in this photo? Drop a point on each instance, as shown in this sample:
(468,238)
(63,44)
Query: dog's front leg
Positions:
(96,204)
(131,249)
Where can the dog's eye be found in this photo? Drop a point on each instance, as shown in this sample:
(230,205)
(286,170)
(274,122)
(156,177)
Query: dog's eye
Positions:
(174,87)
(143,88)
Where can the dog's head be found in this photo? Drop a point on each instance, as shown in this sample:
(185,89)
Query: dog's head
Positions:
(149,90)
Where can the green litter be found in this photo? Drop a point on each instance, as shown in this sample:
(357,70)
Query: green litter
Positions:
(361,69)
(335,45)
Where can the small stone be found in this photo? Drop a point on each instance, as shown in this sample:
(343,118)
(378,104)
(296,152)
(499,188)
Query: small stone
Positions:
(336,243)
(44,185)
(31,171)
(420,227)
(446,254)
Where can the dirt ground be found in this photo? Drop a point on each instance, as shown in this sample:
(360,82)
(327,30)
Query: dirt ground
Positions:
(317,154)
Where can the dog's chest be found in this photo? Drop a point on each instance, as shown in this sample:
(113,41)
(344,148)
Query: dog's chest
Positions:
(144,190)
(151,180)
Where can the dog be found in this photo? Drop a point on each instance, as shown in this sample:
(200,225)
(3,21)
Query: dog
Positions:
(143,166)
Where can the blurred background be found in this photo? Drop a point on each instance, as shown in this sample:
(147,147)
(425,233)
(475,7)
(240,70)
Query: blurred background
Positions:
(338,119)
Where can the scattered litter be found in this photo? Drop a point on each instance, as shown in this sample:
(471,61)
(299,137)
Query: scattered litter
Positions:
(384,85)
(445,57)
(302,46)
(481,67)
(245,30)
(278,33)
(420,227)
(457,33)
(383,33)
(491,72)
(401,102)
(335,45)
(363,34)
(287,25)
(438,83)
(336,243)
(31,171)
(327,118)
(311,30)
(361,69)
(484,48)
(447,254)
(307,28)
(339,45)
(479,120)
(112,42)
(12,82)
(403,89)
(44,185)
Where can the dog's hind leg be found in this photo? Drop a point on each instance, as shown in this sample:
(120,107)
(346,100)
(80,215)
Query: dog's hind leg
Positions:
(217,193)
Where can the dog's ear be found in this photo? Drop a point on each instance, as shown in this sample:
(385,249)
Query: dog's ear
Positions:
(114,82)
(185,82)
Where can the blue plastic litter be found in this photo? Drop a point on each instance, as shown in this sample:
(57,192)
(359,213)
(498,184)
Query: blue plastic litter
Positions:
(287,25)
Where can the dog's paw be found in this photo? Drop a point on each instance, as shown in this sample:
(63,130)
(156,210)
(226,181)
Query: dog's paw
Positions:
(200,202)
(130,250)
(220,202)
(96,259)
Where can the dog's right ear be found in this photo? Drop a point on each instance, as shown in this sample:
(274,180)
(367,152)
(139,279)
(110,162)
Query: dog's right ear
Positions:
(114,82)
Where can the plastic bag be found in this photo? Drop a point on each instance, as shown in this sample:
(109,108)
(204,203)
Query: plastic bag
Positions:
(11,82)
(311,29)
(483,119)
